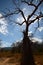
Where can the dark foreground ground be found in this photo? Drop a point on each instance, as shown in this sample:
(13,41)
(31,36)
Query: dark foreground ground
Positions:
(16,58)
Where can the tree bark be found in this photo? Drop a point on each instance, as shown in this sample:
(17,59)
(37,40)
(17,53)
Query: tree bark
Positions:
(27,57)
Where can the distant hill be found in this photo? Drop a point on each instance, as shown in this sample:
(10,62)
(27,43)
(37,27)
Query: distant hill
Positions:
(5,49)
(35,48)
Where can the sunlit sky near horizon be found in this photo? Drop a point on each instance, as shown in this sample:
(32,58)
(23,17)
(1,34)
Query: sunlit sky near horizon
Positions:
(10,32)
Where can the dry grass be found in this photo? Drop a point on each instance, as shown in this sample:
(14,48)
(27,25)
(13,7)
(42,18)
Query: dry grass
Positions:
(38,59)
(15,59)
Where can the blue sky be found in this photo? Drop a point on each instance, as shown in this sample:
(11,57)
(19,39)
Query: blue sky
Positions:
(10,33)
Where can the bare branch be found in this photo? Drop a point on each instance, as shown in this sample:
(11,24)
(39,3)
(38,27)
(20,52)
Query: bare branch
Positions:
(31,4)
(14,3)
(31,1)
(29,16)
(19,10)
(32,21)
(3,11)
(15,12)
(22,13)
(7,10)
(35,15)
(38,22)
(9,14)
(19,23)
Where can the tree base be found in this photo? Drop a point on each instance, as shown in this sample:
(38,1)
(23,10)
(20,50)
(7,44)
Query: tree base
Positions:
(27,57)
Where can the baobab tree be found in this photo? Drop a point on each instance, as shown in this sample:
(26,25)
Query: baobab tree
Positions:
(27,58)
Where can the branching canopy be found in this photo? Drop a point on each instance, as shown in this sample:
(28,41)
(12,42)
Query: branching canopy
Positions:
(18,10)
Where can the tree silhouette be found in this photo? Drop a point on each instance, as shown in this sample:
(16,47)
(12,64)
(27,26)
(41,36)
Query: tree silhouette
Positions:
(0,42)
(27,58)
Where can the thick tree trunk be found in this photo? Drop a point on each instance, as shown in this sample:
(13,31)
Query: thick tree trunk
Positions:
(27,58)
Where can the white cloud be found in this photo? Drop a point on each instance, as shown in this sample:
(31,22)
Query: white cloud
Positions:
(29,33)
(40,29)
(20,20)
(24,9)
(3,26)
(6,44)
(19,40)
(35,39)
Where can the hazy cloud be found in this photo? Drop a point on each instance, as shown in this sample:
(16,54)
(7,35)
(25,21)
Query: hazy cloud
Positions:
(40,29)
(35,39)
(3,26)
(29,33)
